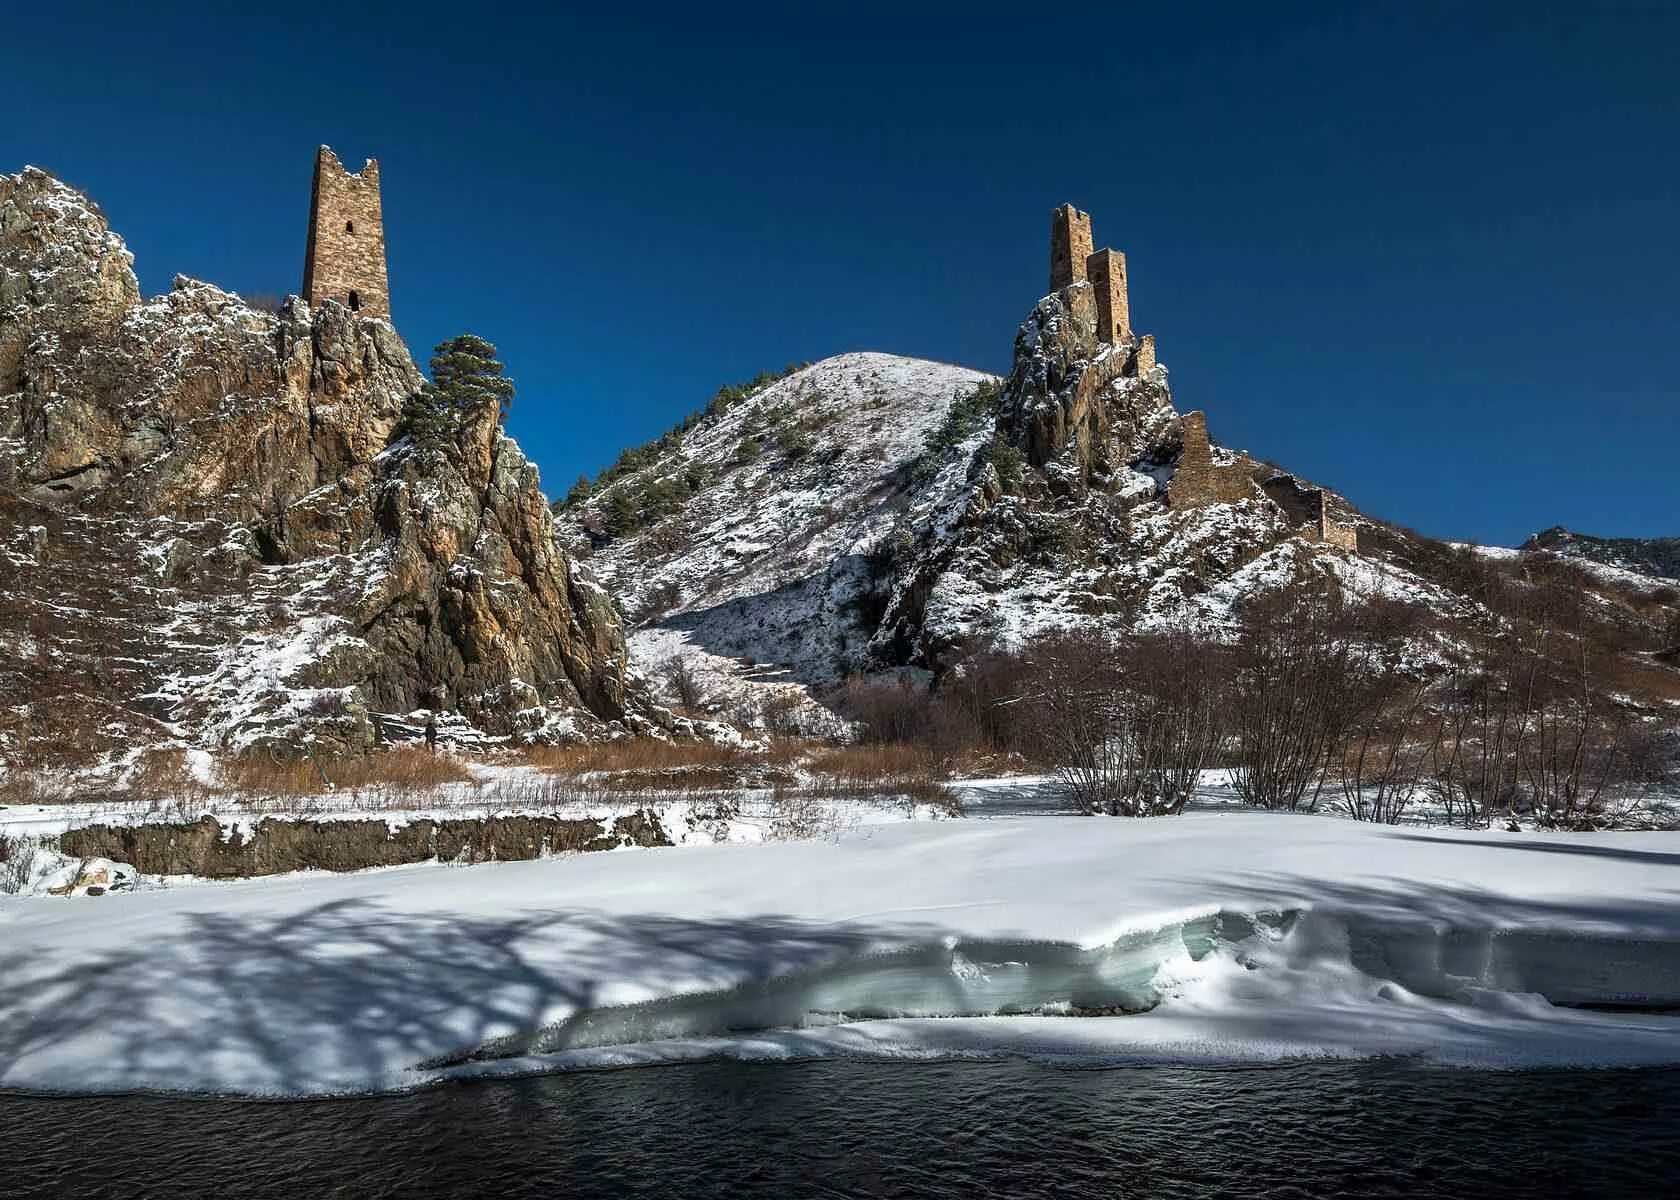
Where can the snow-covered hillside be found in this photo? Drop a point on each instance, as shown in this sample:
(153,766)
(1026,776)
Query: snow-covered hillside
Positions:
(774,565)
(873,512)
(1657,558)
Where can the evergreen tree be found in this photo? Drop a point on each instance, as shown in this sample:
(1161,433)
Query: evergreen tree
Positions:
(581,491)
(466,381)
(465,371)
(619,511)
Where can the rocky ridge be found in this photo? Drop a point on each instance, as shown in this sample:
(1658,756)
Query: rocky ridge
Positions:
(872,512)
(208,535)
(1654,557)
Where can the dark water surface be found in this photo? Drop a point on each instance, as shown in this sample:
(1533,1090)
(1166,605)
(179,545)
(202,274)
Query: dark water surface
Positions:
(867,1129)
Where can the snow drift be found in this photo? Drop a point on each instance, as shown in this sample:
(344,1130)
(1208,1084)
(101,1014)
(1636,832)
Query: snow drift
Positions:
(1210,937)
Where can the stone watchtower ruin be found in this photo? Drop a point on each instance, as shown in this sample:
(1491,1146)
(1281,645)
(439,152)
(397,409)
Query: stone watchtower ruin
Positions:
(1072,260)
(345,260)
(1202,477)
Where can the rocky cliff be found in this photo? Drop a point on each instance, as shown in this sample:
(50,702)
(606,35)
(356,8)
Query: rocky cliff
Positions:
(208,534)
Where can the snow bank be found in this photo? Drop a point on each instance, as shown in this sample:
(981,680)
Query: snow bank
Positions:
(1245,937)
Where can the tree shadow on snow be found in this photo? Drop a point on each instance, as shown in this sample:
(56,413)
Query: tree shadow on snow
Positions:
(351,992)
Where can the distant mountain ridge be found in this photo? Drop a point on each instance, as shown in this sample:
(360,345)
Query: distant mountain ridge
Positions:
(1658,557)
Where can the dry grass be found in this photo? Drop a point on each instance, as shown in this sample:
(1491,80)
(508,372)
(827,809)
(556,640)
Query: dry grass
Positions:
(19,786)
(633,754)
(402,769)
(868,770)
(651,765)
(164,775)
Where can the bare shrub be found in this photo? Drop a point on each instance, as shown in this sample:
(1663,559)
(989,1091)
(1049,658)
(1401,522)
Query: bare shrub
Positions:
(801,815)
(685,683)
(1292,671)
(17,853)
(1129,726)
(1380,754)
(1530,724)
(885,710)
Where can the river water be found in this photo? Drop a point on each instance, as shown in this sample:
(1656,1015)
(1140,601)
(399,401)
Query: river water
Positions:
(827,1129)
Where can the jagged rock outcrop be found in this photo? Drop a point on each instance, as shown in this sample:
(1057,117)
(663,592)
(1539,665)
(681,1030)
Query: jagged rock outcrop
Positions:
(207,529)
(1080,532)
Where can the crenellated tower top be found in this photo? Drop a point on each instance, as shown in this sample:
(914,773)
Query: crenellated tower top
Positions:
(345,258)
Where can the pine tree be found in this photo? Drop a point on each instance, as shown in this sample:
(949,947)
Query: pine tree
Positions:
(466,381)
(619,511)
(465,371)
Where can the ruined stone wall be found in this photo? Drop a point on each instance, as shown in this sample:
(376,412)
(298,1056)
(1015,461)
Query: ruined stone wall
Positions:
(1070,246)
(1106,270)
(1326,529)
(1144,360)
(345,259)
(1199,480)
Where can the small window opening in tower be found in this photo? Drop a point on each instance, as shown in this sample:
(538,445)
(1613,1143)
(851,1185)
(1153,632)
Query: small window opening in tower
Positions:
(355,302)
(349,227)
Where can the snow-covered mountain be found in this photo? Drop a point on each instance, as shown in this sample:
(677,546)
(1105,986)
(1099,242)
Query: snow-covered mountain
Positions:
(873,511)
(791,500)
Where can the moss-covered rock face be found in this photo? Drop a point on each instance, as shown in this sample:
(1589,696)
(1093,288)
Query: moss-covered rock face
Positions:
(206,522)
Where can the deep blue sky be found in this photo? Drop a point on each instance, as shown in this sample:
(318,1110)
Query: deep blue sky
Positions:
(1426,253)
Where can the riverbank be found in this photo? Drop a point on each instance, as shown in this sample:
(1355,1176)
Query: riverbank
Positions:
(1214,937)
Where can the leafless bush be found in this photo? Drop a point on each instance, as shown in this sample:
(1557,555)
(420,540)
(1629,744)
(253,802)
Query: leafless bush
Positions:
(16,855)
(1128,726)
(1381,750)
(1527,726)
(801,815)
(885,710)
(1292,672)
(684,682)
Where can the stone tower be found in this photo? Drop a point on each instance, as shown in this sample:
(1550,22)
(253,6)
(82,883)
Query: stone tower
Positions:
(1106,269)
(1070,246)
(345,260)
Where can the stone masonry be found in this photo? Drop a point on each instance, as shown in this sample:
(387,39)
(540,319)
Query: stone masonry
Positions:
(1199,480)
(1144,360)
(1073,261)
(1106,271)
(345,259)
(1325,528)
(1070,246)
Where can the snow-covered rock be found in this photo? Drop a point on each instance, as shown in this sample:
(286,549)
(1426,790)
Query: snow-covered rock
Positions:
(872,512)
(209,535)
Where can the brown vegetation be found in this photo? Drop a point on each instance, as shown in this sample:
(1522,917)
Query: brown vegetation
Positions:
(400,769)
